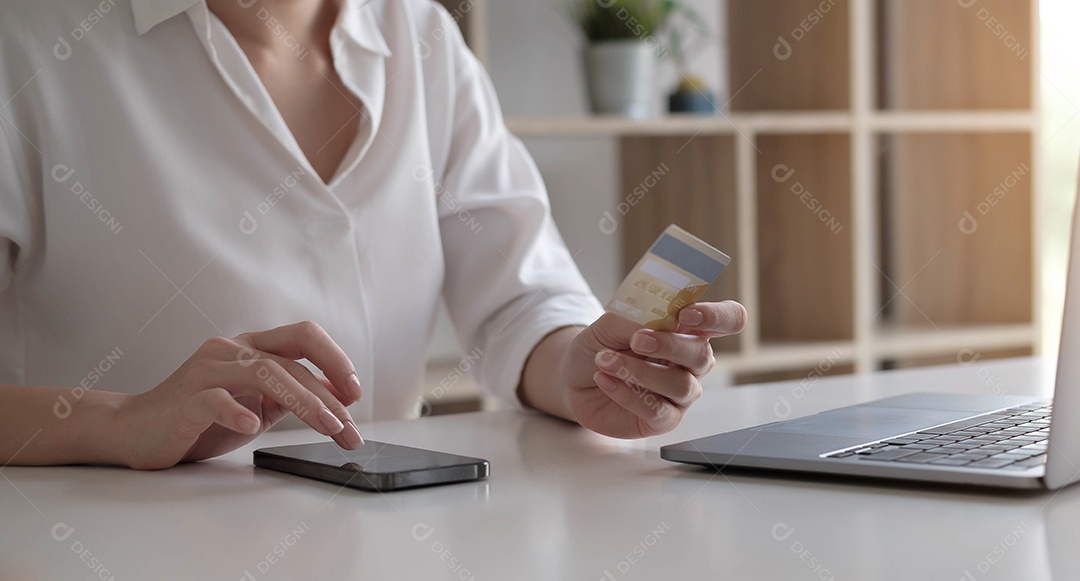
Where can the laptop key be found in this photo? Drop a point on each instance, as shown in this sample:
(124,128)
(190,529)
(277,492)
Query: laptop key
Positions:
(1011,456)
(952,449)
(991,462)
(962,424)
(919,446)
(921,458)
(972,455)
(1033,461)
(952,461)
(893,454)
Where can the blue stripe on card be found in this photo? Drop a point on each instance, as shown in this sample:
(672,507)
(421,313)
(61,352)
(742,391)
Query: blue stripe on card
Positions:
(687,258)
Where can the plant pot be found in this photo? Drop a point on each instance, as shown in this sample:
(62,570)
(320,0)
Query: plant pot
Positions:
(621,77)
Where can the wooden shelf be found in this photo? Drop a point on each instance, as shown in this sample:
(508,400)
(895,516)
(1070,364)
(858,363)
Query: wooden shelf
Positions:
(773,122)
(896,341)
(840,168)
(887,342)
(719,124)
(771,357)
(952,121)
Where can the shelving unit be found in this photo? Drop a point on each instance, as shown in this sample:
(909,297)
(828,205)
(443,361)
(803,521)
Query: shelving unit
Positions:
(897,116)
(778,122)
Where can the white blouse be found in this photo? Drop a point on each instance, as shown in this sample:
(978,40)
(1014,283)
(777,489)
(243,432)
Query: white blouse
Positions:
(151,196)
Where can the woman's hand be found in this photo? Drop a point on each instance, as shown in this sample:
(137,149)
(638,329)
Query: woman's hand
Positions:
(232,390)
(626,381)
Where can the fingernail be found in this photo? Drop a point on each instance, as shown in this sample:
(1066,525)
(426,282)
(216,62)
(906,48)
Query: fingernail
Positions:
(247,424)
(643,342)
(607,359)
(352,435)
(330,422)
(691,317)
(603,382)
(354,385)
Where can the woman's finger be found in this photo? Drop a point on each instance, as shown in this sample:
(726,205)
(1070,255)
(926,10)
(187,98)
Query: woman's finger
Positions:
(712,319)
(307,340)
(655,414)
(693,352)
(673,383)
(347,438)
(268,378)
(215,406)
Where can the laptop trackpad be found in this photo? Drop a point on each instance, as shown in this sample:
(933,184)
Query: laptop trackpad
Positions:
(868,422)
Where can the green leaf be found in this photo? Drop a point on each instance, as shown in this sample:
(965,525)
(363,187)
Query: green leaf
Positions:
(622,19)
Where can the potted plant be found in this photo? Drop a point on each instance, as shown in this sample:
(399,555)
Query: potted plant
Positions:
(624,46)
(626,38)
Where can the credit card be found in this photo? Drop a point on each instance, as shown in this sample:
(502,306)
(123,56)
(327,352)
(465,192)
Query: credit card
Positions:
(675,272)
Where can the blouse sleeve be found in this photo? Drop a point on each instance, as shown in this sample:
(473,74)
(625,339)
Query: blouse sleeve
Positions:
(510,279)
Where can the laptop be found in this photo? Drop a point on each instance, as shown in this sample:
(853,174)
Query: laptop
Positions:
(982,440)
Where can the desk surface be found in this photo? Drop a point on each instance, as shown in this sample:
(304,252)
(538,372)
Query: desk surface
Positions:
(562,503)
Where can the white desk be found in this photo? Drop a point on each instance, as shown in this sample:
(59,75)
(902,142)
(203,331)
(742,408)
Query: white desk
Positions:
(561,503)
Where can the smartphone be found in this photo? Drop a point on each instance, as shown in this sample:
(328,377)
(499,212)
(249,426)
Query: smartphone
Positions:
(375,466)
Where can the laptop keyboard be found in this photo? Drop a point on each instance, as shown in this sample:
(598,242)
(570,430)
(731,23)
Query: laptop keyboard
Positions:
(1010,439)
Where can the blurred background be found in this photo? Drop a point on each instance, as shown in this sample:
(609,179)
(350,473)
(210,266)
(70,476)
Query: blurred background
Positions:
(893,178)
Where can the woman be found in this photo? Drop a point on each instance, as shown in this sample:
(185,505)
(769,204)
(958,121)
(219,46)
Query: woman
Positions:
(175,173)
